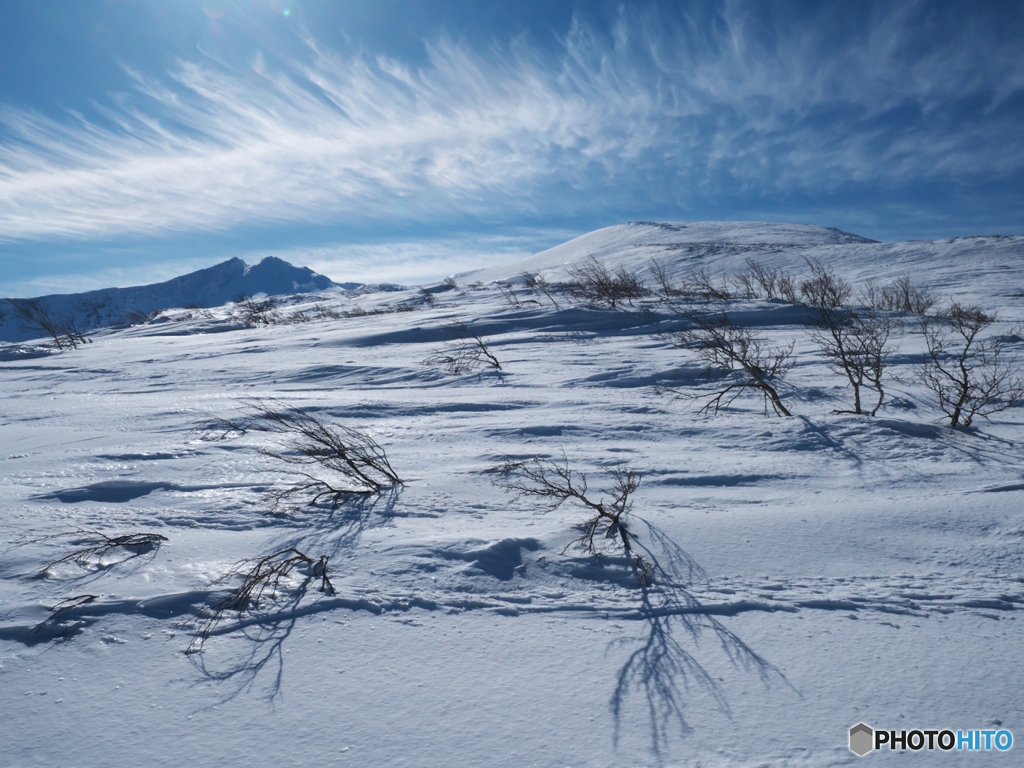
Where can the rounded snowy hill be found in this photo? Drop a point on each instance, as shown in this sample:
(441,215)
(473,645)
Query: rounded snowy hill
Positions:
(968,268)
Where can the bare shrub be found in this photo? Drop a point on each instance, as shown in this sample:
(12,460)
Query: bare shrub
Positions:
(450,282)
(92,546)
(33,317)
(321,312)
(898,296)
(509,294)
(666,285)
(200,309)
(592,282)
(766,279)
(546,289)
(261,577)
(968,375)
(297,318)
(702,283)
(723,345)
(746,286)
(824,289)
(786,286)
(254,313)
(858,346)
(354,462)
(141,317)
(427,298)
(465,353)
(556,483)
(388,309)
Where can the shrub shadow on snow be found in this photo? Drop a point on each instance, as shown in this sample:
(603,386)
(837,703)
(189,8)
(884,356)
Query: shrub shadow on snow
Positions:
(340,527)
(264,639)
(661,669)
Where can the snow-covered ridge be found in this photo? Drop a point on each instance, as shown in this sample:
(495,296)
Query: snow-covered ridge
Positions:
(209,287)
(963,267)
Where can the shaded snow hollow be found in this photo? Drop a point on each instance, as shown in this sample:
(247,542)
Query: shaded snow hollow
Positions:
(812,572)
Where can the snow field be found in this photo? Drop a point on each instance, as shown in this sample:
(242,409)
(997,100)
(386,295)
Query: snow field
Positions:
(814,571)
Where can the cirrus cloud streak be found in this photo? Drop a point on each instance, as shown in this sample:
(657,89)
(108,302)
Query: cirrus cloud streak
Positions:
(648,112)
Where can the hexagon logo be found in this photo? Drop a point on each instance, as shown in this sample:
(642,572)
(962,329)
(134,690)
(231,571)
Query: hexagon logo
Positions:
(861,739)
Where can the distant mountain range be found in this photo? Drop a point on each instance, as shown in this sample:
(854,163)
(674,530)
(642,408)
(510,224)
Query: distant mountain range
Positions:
(210,287)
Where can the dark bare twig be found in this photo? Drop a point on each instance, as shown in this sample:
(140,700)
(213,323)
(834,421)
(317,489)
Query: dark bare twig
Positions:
(555,482)
(67,604)
(856,343)
(94,545)
(262,577)
(969,375)
(354,461)
(721,344)
(465,353)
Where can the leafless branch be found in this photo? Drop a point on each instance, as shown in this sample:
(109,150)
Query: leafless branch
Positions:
(91,546)
(723,345)
(465,353)
(354,461)
(593,282)
(968,375)
(556,483)
(856,344)
(261,577)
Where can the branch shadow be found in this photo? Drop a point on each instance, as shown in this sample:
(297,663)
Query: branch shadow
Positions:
(341,527)
(661,669)
(266,638)
(338,529)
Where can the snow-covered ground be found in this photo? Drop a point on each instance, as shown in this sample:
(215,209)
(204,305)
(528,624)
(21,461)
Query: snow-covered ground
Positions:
(812,572)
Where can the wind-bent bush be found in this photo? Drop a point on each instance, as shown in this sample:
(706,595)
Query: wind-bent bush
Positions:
(261,577)
(509,294)
(465,353)
(92,546)
(723,345)
(701,283)
(353,461)
(33,317)
(556,483)
(968,375)
(666,287)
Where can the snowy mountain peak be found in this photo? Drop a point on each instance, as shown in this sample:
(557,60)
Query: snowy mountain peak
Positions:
(208,287)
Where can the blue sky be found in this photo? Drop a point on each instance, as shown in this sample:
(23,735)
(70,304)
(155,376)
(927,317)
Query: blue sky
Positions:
(402,140)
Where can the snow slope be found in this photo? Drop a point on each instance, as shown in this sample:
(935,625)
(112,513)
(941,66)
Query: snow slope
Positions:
(813,572)
(975,269)
(210,287)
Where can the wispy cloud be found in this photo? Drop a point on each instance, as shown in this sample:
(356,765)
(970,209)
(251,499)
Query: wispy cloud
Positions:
(415,262)
(653,112)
